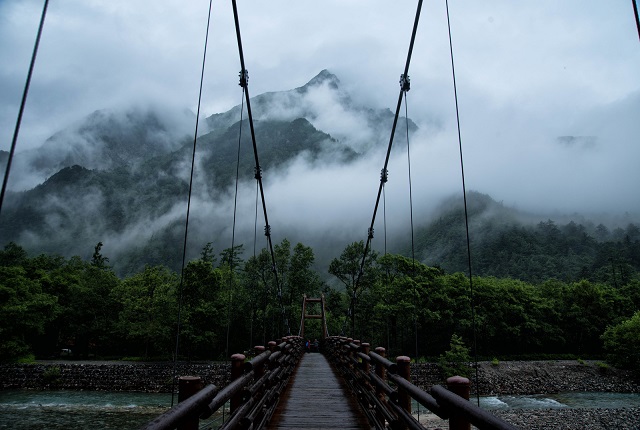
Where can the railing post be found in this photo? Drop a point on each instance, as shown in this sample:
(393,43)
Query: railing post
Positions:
(237,369)
(460,386)
(404,371)
(366,366)
(187,387)
(258,370)
(382,373)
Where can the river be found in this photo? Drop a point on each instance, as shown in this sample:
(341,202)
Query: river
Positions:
(63,409)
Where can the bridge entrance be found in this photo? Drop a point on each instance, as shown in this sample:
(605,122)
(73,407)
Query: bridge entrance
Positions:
(315,398)
(313,309)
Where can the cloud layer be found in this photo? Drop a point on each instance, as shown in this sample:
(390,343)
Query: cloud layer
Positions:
(548,91)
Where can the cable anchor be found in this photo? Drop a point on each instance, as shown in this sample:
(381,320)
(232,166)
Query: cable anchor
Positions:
(405,83)
(384,176)
(244,78)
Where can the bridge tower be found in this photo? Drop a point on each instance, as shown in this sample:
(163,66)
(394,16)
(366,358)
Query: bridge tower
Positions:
(321,316)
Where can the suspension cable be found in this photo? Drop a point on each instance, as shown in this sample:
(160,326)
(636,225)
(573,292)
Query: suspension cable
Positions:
(16,131)
(464,194)
(403,77)
(406,117)
(635,13)
(186,224)
(384,216)
(233,229)
(267,228)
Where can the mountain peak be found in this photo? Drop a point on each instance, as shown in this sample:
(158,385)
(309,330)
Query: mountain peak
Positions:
(323,77)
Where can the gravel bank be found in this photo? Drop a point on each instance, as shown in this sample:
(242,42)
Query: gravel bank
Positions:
(546,377)
(537,377)
(107,376)
(565,419)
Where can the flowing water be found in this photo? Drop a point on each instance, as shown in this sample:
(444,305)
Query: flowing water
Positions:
(26,409)
(561,400)
(57,410)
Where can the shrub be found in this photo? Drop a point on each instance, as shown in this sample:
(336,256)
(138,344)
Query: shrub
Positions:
(51,376)
(495,362)
(455,361)
(27,359)
(602,367)
(621,343)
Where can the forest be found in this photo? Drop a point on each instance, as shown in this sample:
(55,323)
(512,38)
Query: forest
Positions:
(228,302)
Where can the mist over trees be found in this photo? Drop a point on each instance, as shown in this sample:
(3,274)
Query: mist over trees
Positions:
(543,284)
(230,302)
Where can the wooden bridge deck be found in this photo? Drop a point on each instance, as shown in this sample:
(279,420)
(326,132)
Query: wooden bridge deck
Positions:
(316,399)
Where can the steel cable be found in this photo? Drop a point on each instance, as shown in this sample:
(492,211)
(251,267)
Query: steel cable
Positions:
(186,226)
(464,194)
(16,131)
(267,228)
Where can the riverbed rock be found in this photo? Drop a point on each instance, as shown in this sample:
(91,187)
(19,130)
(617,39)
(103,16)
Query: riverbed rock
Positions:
(108,376)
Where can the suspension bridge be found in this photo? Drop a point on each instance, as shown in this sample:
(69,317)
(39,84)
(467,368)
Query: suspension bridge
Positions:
(346,385)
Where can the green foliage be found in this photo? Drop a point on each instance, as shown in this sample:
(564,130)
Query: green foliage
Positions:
(621,343)
(581,362)
(49,303)
(455,361)
(602,367)
(148,310)
(24,312)
(51,375)
(356,275)
(504,247)
(495,362)
(27,359)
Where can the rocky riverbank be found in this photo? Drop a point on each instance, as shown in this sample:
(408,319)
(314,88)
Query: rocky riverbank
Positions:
(107,376)
(513,377)
(537,377)
(565,419)
(546,377)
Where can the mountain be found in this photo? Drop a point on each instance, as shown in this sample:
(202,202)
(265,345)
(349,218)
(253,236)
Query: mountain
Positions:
(104,140)
(122,177)
(323,102)
(509,243)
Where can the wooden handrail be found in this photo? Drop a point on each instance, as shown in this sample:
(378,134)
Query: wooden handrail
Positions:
(388,406)
(255,390)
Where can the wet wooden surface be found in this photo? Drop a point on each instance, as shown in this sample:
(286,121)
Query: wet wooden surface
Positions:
(315,399)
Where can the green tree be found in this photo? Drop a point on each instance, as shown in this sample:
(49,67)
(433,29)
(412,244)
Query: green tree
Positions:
(203,314)
(98,260)
(149,311)
(24,312)
(455,361)
(621,343)
(259,282)
(347,268)
(13,255)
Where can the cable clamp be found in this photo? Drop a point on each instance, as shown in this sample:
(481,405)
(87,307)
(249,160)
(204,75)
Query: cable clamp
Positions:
(405,83)
(257,173)
(267,230)
(244,78)
(370,233)
(384,176)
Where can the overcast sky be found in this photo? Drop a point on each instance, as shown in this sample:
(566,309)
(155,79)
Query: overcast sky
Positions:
(549,90)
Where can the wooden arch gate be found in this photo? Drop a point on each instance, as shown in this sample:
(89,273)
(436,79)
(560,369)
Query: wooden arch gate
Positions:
(316,316)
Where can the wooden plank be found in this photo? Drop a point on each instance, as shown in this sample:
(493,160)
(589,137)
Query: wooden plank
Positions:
(316,399)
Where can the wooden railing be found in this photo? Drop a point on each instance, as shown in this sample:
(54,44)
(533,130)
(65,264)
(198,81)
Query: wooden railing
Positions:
(384,390)
(253,391)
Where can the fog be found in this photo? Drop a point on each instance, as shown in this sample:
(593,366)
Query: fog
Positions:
(549,100)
